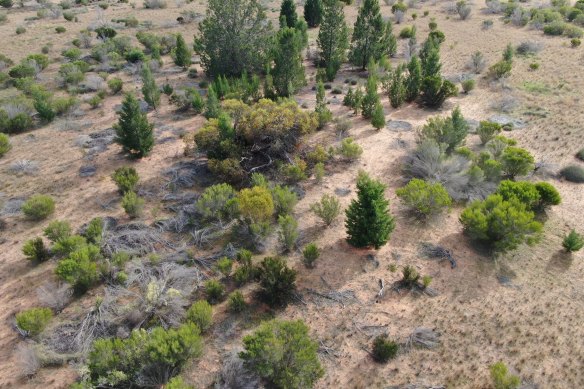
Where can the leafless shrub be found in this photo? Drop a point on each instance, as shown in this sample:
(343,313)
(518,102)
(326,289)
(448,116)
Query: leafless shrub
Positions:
(451,8)
(413,3)
(155,4)
(14,108)
(399,16)
(389,2)
(93,83)
(529,48)
(477,62)
(24,166)
(410,48)
(505,104)
(463,10)
(132,238)
(27,360)
(54,296)
(234,375)
(12,207)
(60,338)
(342,126)
(85,39)
(520,17)
(100,20)
(423,337)
(190,16)
(494,7)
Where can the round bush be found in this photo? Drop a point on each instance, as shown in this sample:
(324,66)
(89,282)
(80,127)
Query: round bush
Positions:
(4,144)
(38,207)
(201,313)
(34,320)
(214,290)
(384,349)
(580,155)
(573,173)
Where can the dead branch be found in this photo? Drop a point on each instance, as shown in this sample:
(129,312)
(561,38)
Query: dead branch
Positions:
(433,251)
(381,290)
(423,337)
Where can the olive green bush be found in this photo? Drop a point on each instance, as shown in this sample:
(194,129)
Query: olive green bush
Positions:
(38,207)
(34,320)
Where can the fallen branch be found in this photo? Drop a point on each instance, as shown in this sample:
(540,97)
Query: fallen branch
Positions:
(432,251)
(381,290)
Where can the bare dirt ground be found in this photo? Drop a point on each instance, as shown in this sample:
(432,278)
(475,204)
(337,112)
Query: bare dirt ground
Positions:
(533,322)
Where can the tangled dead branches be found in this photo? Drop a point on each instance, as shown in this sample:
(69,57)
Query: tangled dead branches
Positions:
(423,337)
(132,238)
(432,251)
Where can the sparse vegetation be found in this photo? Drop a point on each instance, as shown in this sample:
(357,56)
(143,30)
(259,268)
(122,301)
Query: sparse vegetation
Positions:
(384,349)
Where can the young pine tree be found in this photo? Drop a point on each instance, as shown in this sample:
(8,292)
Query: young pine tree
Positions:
(149,88)
(213,107)
(288,71)
(324,114)
(313,12)
(332,38)
(133,132)
(370,99)
(414,79)
(378,118)
(369,222)
(288,16)
(370,37)
(397,89)
(181,53)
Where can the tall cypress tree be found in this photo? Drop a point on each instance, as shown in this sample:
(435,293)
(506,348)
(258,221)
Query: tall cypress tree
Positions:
(313,12)
(434,89)
(370,35)
(371,97)
(324,114)
(369,222)
(181,53)
(288,71)
(288,16)
(133,132)
(397,90)
(149,88)
(378,117)
(414,80)
(332,38)
(213,107)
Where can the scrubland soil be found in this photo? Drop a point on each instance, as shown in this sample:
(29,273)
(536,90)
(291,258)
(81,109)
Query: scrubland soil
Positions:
(525,307)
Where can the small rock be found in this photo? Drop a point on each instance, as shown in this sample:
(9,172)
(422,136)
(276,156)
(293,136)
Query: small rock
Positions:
(87,171)
(399,125)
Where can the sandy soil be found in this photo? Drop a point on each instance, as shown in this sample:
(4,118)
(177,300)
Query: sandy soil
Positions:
(533,324)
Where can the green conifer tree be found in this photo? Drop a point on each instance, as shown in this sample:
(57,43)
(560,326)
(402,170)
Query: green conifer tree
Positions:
(288,16)
(313,10)
(378,118)
(332,38)
(368,220)
(288,70)
(149,88)
(181,53)
(414,79)
(370,99)
(133,131)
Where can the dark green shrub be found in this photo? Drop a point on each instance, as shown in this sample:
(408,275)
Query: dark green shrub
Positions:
(573,242)
(288,231)
(423,198)
(201,314)
(277,281)
(34,320)
(523,191)
(105,32)
(40,59)
(575,42)
(94,231)
(65,246)
(38,207)
(407,32)
(135,55)
(310,254)
(580,154)
(58,230)
(214,290)
(488,130)
(237,302)
(133,131)
(72,54)
(126,179)
(501,224)
(500,69)
(22,70)
(573,173)
(517,162)
(132,204)
(20,29)
(35,250)
(384,349)
(468,85)
(224,266)
(549,195)
(6,3)
(60,29)
(283,353)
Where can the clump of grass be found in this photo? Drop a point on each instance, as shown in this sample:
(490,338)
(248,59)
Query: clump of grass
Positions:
(573,173)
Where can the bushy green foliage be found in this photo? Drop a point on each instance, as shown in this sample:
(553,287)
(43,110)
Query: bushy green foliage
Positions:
(503,224)
(5,145)
(573,242)
(288,231)
(468,85)
(370,99)
(573,173)
(177,383)
(410,276)
(378,117)
(310,254)
(66,245)
(181,53)
(34,320)
(217,203)
(488,130)
(288,16)
(156,353)
(126,178)
(368,221)
(413,81)
(288,71)
(133,131)
(500,69)
(94,231)
(214,290)
(313,12)
(22,70)
(234,37)
(384,349)
(255,204)
(327,209)
(132,204)
(58,230)
(277,281)
(201,314)
(38,207)
(448,131)
(149,88)
(236,302)
(35,250)
(372,36)
(423,198)
(501,377)
(224,266)
(321,109)
(284,200)
(435,90)
(517,162)
(549,195)
(80,268)
(294,172)
(332,37)
(522,191)
(283,353)
(349,149)
(115,85)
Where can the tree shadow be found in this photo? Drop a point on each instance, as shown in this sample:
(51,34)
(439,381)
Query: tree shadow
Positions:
(561,261)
